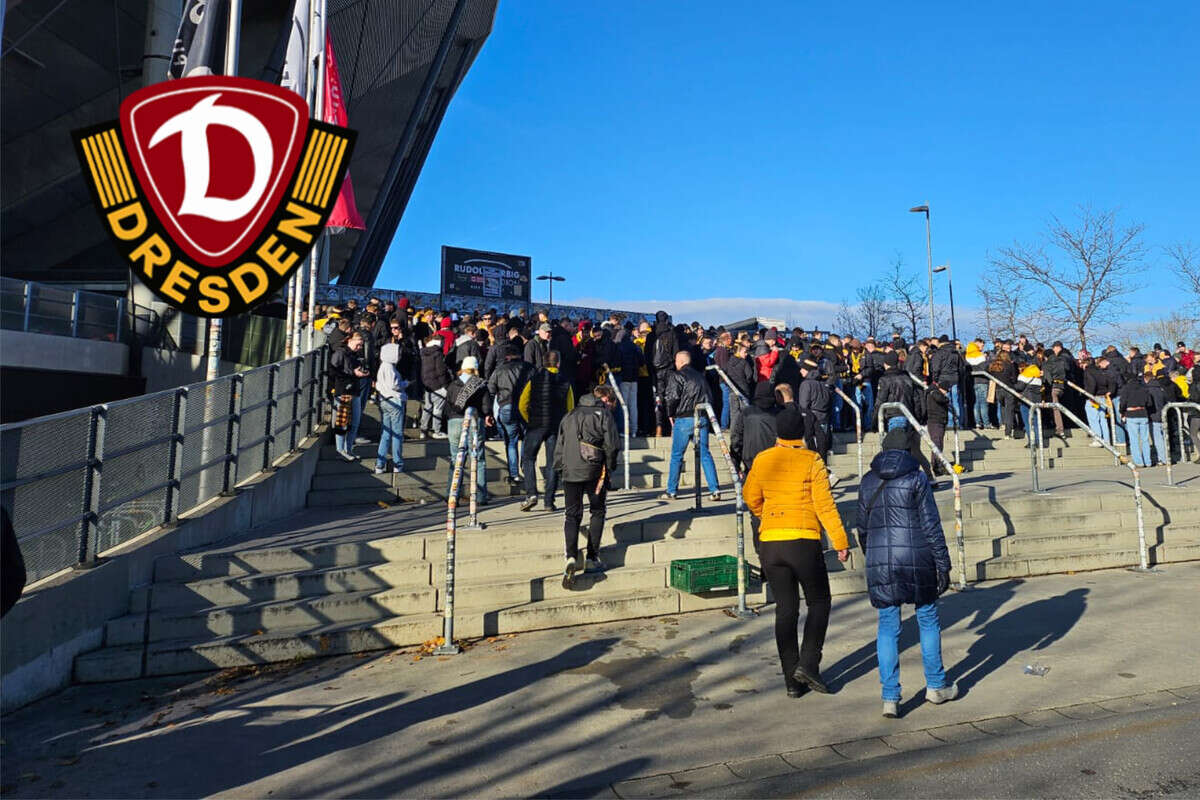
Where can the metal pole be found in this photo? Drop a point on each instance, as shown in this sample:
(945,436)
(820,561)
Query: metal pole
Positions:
(269,425)
(741,611)
(472,422)
(858,434)
(950,285)
(1033,459)
(75,314)
(233,435)
(958,524)
(1036,419)
(929,254)
(174,457)
(120,317)
(28,306)
(294,433)
(448,647)
(696,451)
(1178,409)
(625,411)
(89,527)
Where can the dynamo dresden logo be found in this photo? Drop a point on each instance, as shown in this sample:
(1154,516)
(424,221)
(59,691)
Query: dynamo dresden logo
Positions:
(214,188)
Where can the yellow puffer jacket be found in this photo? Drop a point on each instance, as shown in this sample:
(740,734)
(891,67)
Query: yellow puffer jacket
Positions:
(788,489)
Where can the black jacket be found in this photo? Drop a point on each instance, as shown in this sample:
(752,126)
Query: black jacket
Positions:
(342,364)
(753,431)
(481,400)
(937,406)
(631,358)
(871,366)
(1098,382)
(685,389)
(1057,368)
(901,531)
(895,387)
(815,396)
(508,379)
(434,372)
(593,424)
(946,366)
(741,372)
(1136,400)
(535,351)
(661,347)
(548,393)
(915,363)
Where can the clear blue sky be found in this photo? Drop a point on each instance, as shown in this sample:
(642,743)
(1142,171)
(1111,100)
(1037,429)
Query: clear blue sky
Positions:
(671,151)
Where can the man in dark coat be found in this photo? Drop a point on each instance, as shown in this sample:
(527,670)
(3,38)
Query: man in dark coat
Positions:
(661,347)
(586,461)
(754,429)
(900,532)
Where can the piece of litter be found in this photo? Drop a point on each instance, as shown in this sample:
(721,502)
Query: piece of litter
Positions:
(1036,669)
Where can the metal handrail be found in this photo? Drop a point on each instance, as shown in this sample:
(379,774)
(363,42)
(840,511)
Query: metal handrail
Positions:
(740,611)
(958,523)
(1137,480)
(858,429)
(729,382)
(625,411)
(1101,402)
(953,414)
(1178,408)
(470,421)
(1034,417)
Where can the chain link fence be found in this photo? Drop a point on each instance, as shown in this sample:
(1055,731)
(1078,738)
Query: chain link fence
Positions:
(82,482)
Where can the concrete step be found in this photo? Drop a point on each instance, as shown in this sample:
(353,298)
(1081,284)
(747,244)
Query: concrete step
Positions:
(1185,546)
(197,566)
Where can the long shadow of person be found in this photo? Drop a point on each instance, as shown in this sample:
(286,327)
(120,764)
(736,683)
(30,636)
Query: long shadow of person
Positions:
(980,604)
(1034,626)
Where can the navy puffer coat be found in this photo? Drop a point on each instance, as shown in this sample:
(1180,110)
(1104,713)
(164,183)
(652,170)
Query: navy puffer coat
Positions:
(902,532)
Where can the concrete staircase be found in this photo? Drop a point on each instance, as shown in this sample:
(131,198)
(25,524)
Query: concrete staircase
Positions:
(274,603)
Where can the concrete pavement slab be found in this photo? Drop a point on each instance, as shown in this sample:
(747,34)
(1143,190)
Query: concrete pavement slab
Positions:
(762,767)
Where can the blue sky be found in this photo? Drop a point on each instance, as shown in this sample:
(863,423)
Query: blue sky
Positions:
(660,152)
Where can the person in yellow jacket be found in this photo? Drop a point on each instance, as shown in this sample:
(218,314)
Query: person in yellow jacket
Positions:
(788,490)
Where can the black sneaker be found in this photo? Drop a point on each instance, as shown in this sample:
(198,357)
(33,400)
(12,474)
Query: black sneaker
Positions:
(529,503)
(594,564)
(551,507)
(810,679)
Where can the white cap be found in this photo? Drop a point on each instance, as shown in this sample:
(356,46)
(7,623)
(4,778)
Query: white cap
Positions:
(470,362)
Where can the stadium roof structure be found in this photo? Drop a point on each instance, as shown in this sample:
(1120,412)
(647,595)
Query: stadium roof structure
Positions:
(67,64)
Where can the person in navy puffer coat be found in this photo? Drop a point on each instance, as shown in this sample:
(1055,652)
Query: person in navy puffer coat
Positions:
(907,562)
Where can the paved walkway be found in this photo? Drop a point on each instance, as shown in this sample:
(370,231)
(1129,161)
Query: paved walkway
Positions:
(670,706)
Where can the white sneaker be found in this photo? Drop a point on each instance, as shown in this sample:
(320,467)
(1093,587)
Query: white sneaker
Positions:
(439,435)
(891,709)
(939,696)
(362,440)
(572,566)
(380,470)
(347,456)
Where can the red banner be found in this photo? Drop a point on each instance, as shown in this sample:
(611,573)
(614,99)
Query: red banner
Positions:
(345,211)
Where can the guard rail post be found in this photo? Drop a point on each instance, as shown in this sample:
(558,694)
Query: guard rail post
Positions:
(120,317)
(294,429)
(1033,456)
(269,425)
(175,457)
(233,435)
(740,611)
(28,306)
(958,523)
(310,416)
(473,423)
(625,411)
(1166,415)
(1034,435)
(696,452)
(858,428)
(448,646)
(89,525)
(75,314)
(1143,552)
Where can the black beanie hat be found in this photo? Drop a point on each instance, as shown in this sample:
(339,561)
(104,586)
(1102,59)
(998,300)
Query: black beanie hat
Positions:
(896,439)
(764,395)
(891,359)
(789,424)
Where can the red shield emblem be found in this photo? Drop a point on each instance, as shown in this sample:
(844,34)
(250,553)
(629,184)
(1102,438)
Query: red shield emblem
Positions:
(214,156)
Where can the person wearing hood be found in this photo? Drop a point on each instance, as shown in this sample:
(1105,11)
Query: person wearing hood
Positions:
(977,362)
(754,429)
(435,377)
(661,347)
(900,532)
(788,490)
(393,398)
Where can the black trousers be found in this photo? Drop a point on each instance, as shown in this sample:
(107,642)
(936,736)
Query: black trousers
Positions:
(573,493)
(788,567)
(534,439)
(645,401)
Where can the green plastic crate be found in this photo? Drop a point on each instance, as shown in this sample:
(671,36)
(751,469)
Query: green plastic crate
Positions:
(696,575)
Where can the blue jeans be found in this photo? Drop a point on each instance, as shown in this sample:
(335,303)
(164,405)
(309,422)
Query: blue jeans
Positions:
(345,441)
(1097,420)
(1160,443)
(1139,440)
(391,437)
(510,428)
(681,434)
(838,402)
(957,412)
(725,400)
(1030,433)
(981,406)
(454,427)
(888,651)
(864,395)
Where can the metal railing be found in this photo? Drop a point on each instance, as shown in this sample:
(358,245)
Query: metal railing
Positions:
(1035,418)
(740,610)
(858,428)
(82,482)
(1178,408)
(953,415)
(1101,403)
(729,382)
(958,523)
(1143,553)
(470,429)
(625,411)
(60,311)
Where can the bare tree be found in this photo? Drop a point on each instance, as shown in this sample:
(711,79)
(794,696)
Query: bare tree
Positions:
(1166,330)
(909,300)
(1185,263)
(875,312)
(1081,272)
(1007,308)
(847,320)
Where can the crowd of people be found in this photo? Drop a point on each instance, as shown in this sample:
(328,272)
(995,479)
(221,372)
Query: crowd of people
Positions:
(558,385)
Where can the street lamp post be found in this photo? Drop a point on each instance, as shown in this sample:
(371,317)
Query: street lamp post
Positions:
(552,278)
(950,283)
(929,255)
